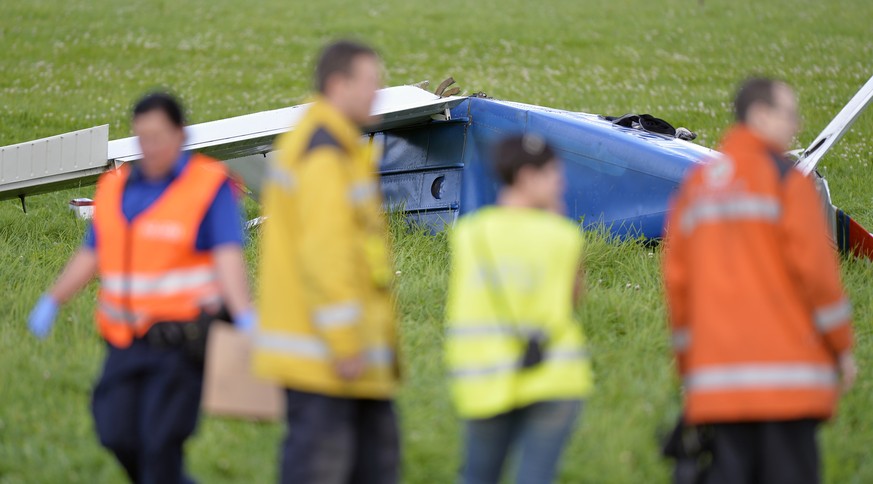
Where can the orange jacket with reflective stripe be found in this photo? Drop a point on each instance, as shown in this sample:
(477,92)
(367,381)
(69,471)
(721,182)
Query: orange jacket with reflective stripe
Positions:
(757,309)
(149,268)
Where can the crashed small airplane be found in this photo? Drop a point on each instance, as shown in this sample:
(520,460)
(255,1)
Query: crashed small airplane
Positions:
(620,172)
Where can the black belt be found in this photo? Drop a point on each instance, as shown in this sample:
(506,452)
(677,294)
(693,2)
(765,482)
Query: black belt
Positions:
(190,336)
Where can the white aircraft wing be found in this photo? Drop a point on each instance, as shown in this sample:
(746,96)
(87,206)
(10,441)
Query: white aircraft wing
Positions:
(53,163)
(78,158)
(811,156)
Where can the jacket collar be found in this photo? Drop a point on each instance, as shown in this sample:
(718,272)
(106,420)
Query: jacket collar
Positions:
(346,132)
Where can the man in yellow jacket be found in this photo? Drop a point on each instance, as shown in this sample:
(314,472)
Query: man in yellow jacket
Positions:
(327,333)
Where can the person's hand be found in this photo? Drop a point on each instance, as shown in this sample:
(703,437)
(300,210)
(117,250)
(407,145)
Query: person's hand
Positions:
(246,321)
(848,371)
(350,368)
(42,317)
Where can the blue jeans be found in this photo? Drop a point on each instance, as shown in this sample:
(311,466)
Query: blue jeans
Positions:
(340,441)
(538,433)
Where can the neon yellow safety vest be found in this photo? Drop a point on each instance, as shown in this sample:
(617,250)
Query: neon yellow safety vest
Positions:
(513,272)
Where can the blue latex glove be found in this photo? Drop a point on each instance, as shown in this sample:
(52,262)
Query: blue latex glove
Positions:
(42,317)
(246,321)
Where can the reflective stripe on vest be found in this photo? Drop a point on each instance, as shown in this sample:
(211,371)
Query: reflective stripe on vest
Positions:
(118,314)
(467,330)
(515,365)
(761,376)
(180,280)
(833,316)
(733,208)
(309,347)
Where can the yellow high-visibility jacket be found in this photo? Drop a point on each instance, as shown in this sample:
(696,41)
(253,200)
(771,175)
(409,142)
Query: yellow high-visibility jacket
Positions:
(513,272)
(325,271)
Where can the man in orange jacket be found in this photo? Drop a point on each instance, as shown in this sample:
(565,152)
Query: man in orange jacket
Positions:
(761,326)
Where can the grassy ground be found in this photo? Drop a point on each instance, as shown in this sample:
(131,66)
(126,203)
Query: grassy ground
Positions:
(67,65)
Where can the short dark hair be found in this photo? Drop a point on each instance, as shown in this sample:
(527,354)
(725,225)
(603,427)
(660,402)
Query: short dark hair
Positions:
(516,152)
(337,58)
(163,102)
(752,91)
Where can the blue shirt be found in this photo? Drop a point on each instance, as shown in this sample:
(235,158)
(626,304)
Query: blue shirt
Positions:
(221,225)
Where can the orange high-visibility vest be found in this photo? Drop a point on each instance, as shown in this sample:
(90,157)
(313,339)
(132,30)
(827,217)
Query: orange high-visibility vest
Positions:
(149,268)
(757,310)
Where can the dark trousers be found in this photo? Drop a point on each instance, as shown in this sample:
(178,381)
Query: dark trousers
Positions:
(765,452)
(340,441)
(145,406)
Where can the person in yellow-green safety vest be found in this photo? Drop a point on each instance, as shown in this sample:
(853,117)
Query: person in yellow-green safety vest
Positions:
(327,332)
(516,358)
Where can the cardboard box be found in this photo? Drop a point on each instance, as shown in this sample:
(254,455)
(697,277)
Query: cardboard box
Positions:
(229,388)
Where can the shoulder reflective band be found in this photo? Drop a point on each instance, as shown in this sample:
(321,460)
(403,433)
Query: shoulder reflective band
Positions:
(830,317)
(308,347)
(734,208)
(761,376)
(167,283)
(337,315)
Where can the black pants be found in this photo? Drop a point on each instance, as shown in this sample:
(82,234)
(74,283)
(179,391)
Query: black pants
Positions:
(765,453)
(340,441)
(145,406)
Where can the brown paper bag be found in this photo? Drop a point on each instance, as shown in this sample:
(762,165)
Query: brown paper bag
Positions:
(229,388)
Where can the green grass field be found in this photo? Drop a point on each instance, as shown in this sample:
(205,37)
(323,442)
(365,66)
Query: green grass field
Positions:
(67,65)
